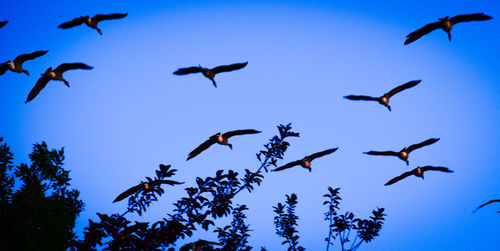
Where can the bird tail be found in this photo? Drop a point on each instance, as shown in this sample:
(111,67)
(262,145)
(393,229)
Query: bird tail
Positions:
(230,146)
(449,36)
(213,82)
(66,82)
(99,30)
(26,72)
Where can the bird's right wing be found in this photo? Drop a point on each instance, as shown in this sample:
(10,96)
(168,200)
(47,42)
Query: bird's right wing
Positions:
(24,57)
(487,203)
(386,153)
(402,176)
(291,164)
(3,23)
(422,144)
(422,31)
(232,67)
(40,84)
(129,192)
(356,97)
(402,88)
(101,17)
(72,66)
(202,147)
(75,22)
(240,132)
(188,70)
(436,168)
(3,68)
(469,17)
(322,153)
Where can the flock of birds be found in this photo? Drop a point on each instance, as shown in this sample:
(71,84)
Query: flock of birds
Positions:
(445,24)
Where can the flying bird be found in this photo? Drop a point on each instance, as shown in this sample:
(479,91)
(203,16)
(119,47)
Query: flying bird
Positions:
(306,161)
(446,24)
(56,74)
(384,100)
(91,21)
(210,73)
(487,203)
(145,187)
(17,64)
(419,172)
(3,23)
(403,154)
(221,139)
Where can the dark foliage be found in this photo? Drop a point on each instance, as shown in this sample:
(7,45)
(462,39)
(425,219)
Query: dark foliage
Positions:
(38,209)
(234,236)
(286,221)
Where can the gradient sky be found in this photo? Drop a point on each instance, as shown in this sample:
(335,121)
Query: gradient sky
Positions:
(119,121)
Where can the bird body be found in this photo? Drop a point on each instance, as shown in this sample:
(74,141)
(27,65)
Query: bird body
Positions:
(17,64)
(91,21)
(419,172)
(221,139)
(384,99)
(306,161)
(210,73)
(445,24)
(404,153)
(54,74)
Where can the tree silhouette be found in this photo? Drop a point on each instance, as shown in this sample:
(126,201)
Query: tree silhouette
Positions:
(38,209)
(286,221)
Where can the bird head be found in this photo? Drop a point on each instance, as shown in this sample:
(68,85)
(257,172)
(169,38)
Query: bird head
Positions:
(444,19)
(420,172)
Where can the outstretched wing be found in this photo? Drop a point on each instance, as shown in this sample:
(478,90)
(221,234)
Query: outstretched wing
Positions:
(402,176)
(100,17)
(239,132)
(291,164)
(24,57)
(202,147)
(3,68)
(422,144)
(469,17)
(436,168)
(357,97)
(40,84)
(73,66)
(422,31)
(75,22)
(129,192)
(3,23)
(188,70)
(386,153)
(168,182)
(320,154)
(487,203)
(232,67)
(402,87)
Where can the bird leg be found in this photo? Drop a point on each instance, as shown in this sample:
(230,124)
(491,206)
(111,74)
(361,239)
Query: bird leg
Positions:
(66,82)
(449,35)
(26,72)
(213,82)
(98,30)
(230,146)
(389,107)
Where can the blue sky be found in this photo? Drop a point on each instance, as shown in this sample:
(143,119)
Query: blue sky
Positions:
(120,120)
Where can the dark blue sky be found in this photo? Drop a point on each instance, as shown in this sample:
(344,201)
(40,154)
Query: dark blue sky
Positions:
(120,120)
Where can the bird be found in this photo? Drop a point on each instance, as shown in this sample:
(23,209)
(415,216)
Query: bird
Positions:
(56,74)
(384,99)
(91,21)
(446,24)
(210,73)
(221,139)
(487,203)
(403,154)
(306,161)
(145,187)
(419,172)
(17,64)
(3,23)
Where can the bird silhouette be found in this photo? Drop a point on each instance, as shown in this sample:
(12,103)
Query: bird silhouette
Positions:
(403,154)
(56,74)
(145,187)
(221,139)
(91,21)
(306,161)
(487,203)
(384,99)
(210,73)
(419,172)
(3,23)
(17,64)
(446,24)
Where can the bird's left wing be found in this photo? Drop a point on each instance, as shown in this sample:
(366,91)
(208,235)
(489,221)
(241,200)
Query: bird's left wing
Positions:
(239,132)
(291,164)
(72,66)
(75,22)
(231,67)
(129,192)
(402,87)
(322,153)
(101,17)
(188,70)
(436,168)
(24,57)
(422,144)
(402,176)
(40,84)
(487,203)
(422,31)
(469,17)
(3,68)
(3,23)
(202,147)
